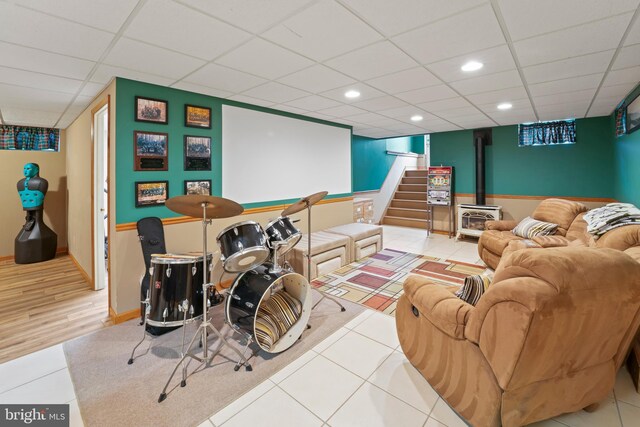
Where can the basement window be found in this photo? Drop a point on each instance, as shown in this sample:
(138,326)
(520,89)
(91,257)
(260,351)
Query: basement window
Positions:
(556,132)
(29,138)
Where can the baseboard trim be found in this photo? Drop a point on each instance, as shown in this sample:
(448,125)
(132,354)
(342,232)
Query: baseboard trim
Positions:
(59,251)
(83,273)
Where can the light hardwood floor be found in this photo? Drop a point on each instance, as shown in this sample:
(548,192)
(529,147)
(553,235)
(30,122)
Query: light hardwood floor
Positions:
(45,304)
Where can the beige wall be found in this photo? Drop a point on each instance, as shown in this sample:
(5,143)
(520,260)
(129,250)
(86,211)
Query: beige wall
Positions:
(128,265)
(52,168)
(79,163)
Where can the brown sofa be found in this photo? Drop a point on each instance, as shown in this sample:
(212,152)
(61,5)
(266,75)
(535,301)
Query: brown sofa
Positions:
(498,235)
(546,338)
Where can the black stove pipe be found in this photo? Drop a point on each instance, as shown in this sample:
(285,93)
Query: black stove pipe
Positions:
(480,185)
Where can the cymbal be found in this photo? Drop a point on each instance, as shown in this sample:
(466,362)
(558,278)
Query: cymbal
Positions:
(304,203)
(216,207)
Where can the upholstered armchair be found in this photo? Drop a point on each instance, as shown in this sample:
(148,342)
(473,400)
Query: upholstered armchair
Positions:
(546,338)
(498,234)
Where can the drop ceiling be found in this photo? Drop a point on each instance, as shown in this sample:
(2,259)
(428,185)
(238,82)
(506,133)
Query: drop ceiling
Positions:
(550,59)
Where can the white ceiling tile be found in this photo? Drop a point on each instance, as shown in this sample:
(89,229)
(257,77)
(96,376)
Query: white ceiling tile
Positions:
(35,29)
(490,82)
(578,66)
(393,17)
(366,92)
(342,111)
(223,78)
(372,61)
(553,15)
(106,15)
(251,100)
(184,30)
(16,77)
(290,109)
(626,75)
(374,133)
(576,41)
(520,106)
(433,93)
(320,116)
(40,99)
(91,89)
(474,123)
(313,103)
(598,110)
(616,91)
(563,111)
(466,32)
(634,35)
(254,16)
(322,31)
(590,81)
(405,130)
(382,103)
(402,81)
(445,127)
(40,61)
(497,96)
(604,99)
(264,59)
(627,57)
(74,110)
(405,113)
(142,57)
(275,92)
(29,117)
(462,112)
(515,119)
(445,104)
(494,60)
(205,90)
(435,122)
(564,98)
(316,79)
(372,119)
(104,74)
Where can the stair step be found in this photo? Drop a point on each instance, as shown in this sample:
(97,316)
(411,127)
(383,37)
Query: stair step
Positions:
(407,213)
(415,180)
(405,222)
(410,195)
(408,204)
(413,187)
(416,173)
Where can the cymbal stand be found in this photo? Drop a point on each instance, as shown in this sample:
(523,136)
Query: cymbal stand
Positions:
(322,294)
(205,324)
(275,267)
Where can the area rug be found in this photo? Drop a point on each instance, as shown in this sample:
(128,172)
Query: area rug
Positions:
(376,281)
(112,393)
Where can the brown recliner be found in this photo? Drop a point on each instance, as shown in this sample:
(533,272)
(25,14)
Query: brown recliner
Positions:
(498,234)
(546,338)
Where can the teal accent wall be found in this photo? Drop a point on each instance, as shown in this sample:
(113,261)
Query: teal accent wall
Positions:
(627,161)
(584,169)
(406,144)
(126,91)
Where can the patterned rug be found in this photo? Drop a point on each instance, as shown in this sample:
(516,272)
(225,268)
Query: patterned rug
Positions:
(376,281)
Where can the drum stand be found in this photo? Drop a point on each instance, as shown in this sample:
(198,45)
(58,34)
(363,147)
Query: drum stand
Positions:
(205,324)
(322,294)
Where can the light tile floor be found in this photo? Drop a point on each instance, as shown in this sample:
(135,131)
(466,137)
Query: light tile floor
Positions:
(357,376)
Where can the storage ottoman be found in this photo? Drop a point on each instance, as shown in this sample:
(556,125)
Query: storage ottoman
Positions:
(329,252)
(365,239)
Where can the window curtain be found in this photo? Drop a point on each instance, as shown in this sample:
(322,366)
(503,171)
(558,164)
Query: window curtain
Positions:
(29,138)
(547,133)
(621,120)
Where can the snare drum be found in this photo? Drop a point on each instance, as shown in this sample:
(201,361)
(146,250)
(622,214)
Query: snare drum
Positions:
(283,234)
(243,246)
(256,306)
(175,280)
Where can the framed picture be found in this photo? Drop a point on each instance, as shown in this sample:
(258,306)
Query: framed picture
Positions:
(150,151)
(199,187)
(151,193)
(152,110)
(633,115)
(197,117)
(197,153)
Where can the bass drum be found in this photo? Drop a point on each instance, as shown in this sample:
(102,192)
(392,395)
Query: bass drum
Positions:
(249,299)
(174,280)
(243,246)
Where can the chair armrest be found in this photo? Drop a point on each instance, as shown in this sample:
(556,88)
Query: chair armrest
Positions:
(503,225)
(438,304)
(551,241)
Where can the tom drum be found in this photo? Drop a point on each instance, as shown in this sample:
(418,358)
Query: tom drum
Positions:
(283,235)
(243,246)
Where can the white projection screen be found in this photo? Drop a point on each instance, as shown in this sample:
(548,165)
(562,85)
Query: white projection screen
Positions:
(267,157)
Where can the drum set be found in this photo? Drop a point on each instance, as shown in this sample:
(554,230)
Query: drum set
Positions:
(267,304)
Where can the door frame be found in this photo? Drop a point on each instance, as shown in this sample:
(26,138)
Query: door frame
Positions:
(105,101)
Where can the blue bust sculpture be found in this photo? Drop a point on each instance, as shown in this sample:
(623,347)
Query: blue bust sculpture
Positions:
(32,188)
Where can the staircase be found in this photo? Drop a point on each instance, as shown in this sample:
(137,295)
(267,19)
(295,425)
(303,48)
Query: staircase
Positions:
(408,208)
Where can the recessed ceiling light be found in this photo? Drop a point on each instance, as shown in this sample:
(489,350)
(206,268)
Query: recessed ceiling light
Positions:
(416,118)
(472,66)
(352,94)
(504,106)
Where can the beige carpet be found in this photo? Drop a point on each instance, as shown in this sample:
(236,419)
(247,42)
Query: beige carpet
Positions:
(112,393)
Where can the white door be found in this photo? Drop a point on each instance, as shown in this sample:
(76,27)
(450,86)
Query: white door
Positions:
(100,125)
